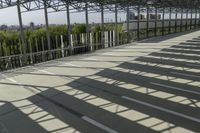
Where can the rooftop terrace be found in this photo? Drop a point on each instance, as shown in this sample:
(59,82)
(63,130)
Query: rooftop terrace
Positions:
(147,86)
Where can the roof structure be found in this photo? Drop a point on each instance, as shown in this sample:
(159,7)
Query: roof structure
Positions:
(79,5)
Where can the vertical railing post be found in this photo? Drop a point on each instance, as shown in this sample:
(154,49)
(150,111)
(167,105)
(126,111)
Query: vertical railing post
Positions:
(37,50)
(62,46)
(30,51)
(22,35)
(43,49)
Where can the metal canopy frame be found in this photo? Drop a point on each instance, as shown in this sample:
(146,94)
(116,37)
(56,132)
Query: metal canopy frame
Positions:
(79,5)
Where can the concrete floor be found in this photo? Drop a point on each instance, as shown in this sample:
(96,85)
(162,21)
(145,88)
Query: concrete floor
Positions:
(143,87)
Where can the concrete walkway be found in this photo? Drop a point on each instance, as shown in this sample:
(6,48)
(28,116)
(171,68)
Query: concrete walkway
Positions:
(144,87)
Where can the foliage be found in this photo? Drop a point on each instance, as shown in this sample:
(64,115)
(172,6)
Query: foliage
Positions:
(58,30)
(38,33)
(79,28)
(11,38)
(2,36)
(96,28)
(107,27)
(12,35)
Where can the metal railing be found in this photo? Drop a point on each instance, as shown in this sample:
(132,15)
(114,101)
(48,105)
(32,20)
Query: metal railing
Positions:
(37,51)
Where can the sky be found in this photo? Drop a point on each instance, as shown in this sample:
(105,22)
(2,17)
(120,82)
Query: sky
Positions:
(9,16)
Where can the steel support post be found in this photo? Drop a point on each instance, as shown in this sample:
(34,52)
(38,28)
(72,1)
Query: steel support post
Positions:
(47,27)
(69,30)
(138,23)
(156,19)
(22,35)
(181,25)
(163,22)
(191,17)
(187,19)
(116,26)
(102,27)
(176,17)
(199,20)
(147,30)
(195,18)
(170,18)
(128,24)
(87,27)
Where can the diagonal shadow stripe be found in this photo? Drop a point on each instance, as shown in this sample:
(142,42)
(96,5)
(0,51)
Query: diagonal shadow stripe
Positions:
(181,51)
(187,47)
(176,56)
(190,43)
(182,64)
(17,122)
(150,82)
(119,91)
(114,93)
(182,74)
(85,109)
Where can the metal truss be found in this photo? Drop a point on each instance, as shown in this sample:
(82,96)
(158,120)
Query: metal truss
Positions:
(95,5)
